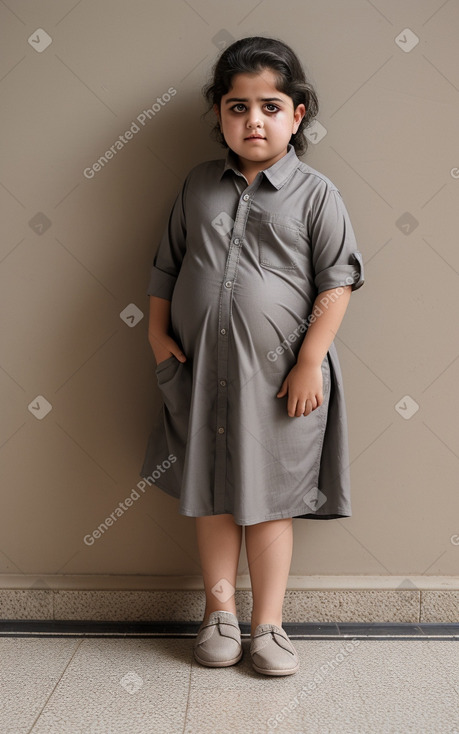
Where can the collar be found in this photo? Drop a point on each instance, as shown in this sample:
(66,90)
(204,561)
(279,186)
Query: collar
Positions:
(277,174)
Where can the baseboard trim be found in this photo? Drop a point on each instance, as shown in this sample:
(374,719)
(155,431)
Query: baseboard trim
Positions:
(99,582)
(153,599)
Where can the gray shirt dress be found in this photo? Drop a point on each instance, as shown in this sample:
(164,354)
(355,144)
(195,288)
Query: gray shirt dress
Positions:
(242,266)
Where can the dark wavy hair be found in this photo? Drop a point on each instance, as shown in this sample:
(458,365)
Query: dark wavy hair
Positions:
(252,54)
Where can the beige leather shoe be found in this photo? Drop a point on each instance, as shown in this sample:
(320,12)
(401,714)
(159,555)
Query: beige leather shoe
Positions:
(218,642)
(272,652)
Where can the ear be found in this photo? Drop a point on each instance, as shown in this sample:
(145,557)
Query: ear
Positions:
(298,116)
(217,112)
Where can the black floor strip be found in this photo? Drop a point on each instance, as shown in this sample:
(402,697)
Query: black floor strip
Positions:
(298,631)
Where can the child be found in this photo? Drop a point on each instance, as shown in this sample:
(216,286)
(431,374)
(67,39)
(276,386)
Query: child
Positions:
(248,288)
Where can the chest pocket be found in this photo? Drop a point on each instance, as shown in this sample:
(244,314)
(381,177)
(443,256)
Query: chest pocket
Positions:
(278,242)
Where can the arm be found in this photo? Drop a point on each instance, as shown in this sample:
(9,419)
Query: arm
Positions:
(166,267)
(162,344)
(304,382)
(337,266)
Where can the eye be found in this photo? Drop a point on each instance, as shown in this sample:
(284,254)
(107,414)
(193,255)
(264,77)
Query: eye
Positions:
(236,107)
(274,107)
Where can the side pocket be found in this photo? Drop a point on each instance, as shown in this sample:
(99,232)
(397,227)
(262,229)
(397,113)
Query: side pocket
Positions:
(174,380)
(170,430)
(166,369)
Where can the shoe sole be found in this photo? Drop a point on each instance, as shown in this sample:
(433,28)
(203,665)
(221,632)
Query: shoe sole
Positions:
(216,664)
(275,672)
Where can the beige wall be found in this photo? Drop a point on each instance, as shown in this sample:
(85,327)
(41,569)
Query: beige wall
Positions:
(391,148)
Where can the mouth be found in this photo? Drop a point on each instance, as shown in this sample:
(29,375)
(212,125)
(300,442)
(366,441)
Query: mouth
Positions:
(255,137)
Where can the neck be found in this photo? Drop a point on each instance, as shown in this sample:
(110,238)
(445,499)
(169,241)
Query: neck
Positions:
(250,168)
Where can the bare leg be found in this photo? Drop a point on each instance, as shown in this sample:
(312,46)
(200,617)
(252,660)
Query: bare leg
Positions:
(269,548)
(219,544)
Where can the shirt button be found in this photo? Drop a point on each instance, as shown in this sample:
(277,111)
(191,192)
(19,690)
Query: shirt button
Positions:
(221,430)
(246,197)
(236,241)
(222,331)
(223,383)
(228,284)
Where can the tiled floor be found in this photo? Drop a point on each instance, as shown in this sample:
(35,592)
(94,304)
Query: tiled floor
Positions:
(72,684)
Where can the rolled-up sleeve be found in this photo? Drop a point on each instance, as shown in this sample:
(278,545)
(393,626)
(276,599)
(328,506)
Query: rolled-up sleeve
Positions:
(171,250)
(336,258)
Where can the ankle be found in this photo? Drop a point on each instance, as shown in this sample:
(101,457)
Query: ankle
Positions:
(210,609)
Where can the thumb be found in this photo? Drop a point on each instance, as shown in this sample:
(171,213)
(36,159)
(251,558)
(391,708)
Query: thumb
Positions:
(177,352)
(282,391)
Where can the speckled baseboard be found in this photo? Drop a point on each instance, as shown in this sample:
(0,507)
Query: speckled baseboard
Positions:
(311,599)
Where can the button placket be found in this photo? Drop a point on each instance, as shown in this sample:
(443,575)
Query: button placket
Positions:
(224,319)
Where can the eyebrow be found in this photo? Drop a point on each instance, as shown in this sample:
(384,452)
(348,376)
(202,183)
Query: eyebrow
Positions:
(260,99)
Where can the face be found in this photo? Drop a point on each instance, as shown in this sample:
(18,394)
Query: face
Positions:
(257,120)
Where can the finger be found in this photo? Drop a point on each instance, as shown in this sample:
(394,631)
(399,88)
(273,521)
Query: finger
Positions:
(296,408)
(309,407)
(300,408)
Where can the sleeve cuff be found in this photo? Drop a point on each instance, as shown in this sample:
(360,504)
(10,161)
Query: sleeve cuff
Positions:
(161,284)
(341,274)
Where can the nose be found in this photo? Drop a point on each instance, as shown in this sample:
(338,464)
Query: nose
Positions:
(254,120)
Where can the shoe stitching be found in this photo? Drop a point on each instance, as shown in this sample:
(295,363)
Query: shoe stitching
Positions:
(272,630)
(216,622)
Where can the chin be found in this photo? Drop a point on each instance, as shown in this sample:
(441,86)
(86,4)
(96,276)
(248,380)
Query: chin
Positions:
(255,153)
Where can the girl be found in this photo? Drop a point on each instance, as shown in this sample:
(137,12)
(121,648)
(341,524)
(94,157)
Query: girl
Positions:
(248,288)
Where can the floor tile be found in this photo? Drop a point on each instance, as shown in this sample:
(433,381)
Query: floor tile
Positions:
(97,685)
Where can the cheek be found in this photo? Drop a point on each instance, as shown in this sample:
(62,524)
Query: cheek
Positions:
(284,121)
(282,124)
(231,123)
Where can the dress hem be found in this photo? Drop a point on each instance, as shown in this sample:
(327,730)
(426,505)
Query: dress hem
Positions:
(275,516)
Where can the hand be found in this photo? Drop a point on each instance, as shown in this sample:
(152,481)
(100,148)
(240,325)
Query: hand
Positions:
(164,346)
(304,385)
